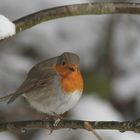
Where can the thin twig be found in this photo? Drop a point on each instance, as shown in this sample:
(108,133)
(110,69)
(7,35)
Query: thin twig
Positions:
(90,128)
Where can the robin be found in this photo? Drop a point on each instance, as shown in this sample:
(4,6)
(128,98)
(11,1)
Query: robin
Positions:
(52,86)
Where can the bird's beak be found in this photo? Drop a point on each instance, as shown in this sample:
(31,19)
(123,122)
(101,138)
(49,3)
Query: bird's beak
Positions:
(72,67)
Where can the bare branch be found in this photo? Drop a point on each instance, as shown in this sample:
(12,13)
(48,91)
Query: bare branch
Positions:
(73,124)
(75,10)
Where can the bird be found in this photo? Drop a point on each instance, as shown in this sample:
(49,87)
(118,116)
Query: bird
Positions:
(52,86)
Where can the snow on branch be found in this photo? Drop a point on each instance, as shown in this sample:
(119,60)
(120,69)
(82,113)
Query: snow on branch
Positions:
(7,28)
(75,10)
(23,126)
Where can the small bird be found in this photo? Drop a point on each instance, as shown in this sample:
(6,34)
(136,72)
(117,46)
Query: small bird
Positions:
(52,86)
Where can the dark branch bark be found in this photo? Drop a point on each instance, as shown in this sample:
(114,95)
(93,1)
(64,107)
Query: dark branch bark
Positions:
(73,124)
(75,10)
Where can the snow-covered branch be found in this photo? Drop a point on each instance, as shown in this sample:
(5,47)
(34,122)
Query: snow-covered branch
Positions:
(75,10)
(73,124)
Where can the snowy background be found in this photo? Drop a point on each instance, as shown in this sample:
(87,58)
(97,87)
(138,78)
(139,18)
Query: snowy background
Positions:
(109,48)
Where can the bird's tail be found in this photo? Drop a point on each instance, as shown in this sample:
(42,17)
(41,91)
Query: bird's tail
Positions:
(5,98)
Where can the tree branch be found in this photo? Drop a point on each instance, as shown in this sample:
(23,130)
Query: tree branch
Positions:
(75,10)
(73,124)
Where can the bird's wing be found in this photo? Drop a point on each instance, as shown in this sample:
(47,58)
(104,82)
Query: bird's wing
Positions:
(26,86)
(5,98)
(39,76)
(32,84)
(41,69)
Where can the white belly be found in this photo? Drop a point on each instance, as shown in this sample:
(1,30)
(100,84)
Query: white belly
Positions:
(54,101)
(58,104)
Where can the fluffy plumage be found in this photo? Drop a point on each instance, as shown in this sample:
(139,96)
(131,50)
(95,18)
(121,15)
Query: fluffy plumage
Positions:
(53,85)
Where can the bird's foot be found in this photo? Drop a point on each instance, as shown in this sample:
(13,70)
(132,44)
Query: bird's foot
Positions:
(57,118)
(54,117)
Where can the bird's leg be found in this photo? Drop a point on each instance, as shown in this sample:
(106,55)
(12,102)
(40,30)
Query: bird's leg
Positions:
(50,118)
(54,117)
(57,118)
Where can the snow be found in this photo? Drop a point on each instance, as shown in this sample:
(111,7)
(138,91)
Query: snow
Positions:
(7,28)
(94,108)
(7,136)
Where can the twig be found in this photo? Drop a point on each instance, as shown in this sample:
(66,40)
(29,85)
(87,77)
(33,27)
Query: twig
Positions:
(74,124)
(90,128)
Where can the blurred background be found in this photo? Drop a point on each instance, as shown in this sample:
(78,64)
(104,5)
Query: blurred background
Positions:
(109,48)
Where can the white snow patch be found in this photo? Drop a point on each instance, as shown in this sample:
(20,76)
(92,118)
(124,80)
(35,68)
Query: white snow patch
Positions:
(7,28)
(93,108)
(7,136)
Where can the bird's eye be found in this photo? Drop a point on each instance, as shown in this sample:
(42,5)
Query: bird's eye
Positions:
(63,63)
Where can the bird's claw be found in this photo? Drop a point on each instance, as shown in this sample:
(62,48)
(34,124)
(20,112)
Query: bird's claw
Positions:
(55,117)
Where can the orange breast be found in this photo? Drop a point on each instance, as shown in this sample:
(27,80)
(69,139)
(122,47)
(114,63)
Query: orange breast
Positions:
(72,82)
